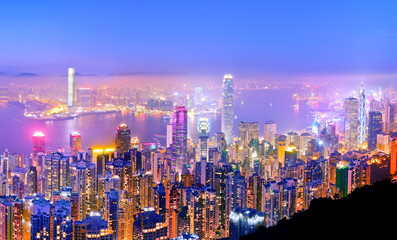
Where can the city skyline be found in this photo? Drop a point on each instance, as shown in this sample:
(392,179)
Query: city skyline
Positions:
(224,186)
(196,120)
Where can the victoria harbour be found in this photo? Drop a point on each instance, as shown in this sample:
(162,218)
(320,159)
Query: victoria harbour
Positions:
(274,105)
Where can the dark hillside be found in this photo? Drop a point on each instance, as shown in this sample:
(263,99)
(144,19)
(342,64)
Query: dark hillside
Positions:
(366,212)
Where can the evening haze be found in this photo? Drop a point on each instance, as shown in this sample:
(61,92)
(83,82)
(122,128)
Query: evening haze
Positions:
(207,38)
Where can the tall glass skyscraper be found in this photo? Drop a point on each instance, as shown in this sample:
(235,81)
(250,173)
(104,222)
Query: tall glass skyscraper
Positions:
(227,108)
(71,88)
(123,138)
(179,133)
(351,123)
(374,128)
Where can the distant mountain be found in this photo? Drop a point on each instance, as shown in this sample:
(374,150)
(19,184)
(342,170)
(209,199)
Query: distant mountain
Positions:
(367,211)
(84,75)
(26,74)
(4,74)
(140,73)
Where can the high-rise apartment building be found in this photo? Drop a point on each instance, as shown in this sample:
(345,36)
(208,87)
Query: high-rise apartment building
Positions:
(112,210)
(93,227)
(56,172)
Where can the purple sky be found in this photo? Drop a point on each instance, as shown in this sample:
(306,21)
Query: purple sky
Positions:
(246,38)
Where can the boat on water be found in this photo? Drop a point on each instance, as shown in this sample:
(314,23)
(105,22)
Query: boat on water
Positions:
(166,117)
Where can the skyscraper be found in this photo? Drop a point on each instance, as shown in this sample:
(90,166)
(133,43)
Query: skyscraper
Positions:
(38,143)
(227,108)
(269,132)
(351,123)
(391,117)
(174,205)
(40,225)
(149,226)
(85,98)
(71,88)
(291,155)
(374,128)
(83,179)
(31,180)
(203,131)
(248,131)
(123,138)
(75,143)
(236,193)
(198,96)
(304,144)
(61,220)
(56,172)
(220,141)
(111,210)
(362,116)
(179,134)
(293,137)
(10,218)
(169,135)
(393,156)
(341,183)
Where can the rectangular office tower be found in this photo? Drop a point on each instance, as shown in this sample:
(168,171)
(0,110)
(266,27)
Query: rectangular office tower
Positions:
(269,132)
(227,108)
(71,88)
(374,128)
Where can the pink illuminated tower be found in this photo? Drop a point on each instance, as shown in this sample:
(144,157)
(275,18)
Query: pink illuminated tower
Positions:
(38,143)
(75,143)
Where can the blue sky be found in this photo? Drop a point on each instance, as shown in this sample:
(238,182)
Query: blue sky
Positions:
(250,38)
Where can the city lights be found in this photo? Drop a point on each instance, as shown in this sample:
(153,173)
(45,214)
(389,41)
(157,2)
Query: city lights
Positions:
(221,120)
